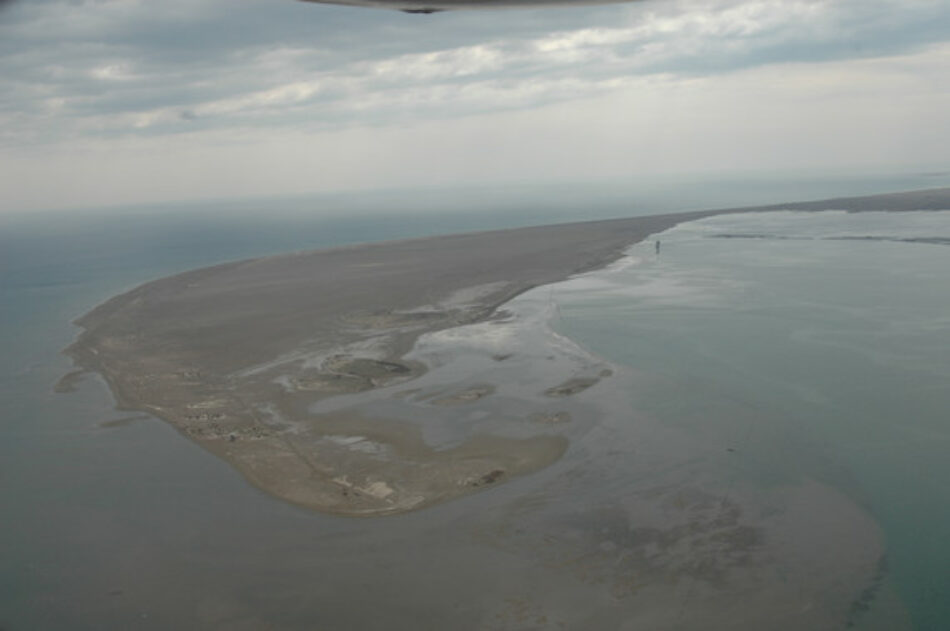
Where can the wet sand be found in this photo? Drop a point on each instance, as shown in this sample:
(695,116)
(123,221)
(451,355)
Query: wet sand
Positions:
(344,381)
(234,356)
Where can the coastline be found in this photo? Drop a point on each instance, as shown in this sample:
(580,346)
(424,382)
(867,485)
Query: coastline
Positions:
(234,356)
(241,385)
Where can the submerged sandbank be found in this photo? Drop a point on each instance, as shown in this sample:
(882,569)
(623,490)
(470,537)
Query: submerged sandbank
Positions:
(234,356)
(629,525)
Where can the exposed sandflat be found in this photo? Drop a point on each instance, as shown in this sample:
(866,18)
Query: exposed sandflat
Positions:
(233,355)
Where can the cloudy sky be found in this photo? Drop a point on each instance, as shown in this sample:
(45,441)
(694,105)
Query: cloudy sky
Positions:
(120,101)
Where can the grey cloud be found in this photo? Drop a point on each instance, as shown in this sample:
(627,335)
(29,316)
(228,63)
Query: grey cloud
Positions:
(101,67)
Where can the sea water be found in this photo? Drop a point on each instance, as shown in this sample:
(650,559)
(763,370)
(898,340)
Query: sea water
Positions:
(112,520)
(814,345)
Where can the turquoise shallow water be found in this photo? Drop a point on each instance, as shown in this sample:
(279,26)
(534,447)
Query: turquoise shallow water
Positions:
(815,345)
(121,527)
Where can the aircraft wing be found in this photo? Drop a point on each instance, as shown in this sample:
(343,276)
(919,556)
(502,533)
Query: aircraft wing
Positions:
(431,6)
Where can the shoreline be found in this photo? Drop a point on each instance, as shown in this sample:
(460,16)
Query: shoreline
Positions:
(247,408)
(234,355)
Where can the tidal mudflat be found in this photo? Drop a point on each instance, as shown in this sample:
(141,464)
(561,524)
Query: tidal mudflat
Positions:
(381,379)
(234,356)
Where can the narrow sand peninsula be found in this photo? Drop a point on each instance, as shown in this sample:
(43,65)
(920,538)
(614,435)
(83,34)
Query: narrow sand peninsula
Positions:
(234,356)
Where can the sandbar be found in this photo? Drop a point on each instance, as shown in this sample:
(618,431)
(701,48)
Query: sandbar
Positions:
(235,356)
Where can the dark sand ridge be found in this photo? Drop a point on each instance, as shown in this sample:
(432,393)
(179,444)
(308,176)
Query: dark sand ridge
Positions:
(233,355)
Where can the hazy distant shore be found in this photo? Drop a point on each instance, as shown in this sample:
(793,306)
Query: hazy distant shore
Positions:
(234,356)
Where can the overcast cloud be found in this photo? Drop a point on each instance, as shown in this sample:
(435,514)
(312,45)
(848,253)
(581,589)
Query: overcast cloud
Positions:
(116,101)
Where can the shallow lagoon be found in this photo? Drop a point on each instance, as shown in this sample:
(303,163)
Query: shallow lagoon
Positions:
(130,526)
(814,345)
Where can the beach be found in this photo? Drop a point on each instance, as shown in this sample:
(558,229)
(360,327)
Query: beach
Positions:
(233,355)
(379,380)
